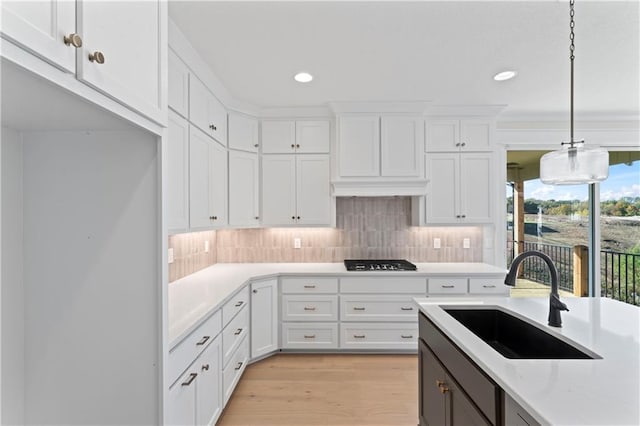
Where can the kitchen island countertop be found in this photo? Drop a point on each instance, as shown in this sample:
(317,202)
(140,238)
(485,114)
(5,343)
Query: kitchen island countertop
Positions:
(602,391)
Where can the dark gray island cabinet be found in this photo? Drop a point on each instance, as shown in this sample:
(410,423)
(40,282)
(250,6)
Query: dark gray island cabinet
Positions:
(454,390)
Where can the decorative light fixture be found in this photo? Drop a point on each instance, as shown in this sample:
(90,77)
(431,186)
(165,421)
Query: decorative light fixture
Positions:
(505,75)
(574,164)
(303,77)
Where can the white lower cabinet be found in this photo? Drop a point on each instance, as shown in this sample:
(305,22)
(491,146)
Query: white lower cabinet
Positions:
(233,370)
(264,317)
(309,308)
(233,335)
(379,335)
(309,335)
(196,398)
(438,286)
(378,308)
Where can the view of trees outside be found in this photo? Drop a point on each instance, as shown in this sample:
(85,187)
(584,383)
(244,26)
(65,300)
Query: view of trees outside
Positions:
(558,216)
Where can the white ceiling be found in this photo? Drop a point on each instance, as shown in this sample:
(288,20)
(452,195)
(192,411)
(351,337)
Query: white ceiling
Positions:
(444,52)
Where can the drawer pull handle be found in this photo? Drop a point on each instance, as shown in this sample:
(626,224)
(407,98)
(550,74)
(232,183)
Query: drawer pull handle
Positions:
(439,383)
(238,331)
(190,380)
(309,308)
(240,303)
(359,336)
(407,308)
(356,308)
(448,286)
(213,127)
(203,341)
(239,366)
(310,286)
(489,286)
(205,367)
(406,336)
(444,389)
(309,336)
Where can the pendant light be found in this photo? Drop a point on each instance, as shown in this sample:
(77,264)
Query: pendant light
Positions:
(574,163)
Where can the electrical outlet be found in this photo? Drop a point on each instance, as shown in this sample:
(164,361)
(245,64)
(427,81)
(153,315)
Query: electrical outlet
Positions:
(170,256)
(297,243)
(206,246)
(466,243)
(436,243)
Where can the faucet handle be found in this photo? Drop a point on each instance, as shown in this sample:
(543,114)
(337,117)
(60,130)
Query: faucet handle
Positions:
(555,303)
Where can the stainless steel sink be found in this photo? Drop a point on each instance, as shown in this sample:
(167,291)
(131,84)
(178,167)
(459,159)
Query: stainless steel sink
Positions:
(513,337)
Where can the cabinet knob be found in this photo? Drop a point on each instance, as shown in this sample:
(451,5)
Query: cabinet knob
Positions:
(293,146)
(255,145)
(463,216)
(97,57)
(458,144)
(458,216)
(213,127)
(255,291)
(444,389)
(297,145)
(73,39)
(257,217)
(212,218)
(298,217)
(464,144)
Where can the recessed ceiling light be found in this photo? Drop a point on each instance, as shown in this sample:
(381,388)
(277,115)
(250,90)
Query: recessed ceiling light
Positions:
(303,77)
(505,75)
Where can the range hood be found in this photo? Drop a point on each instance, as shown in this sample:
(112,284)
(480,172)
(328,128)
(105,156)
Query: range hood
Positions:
(379,188)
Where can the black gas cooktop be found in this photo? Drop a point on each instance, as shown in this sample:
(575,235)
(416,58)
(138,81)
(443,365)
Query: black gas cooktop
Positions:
(379,265)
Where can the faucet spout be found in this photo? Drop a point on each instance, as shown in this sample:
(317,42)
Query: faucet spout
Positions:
(555,305)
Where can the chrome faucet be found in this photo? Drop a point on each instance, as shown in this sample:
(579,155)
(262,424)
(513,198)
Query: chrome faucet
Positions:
(555,305)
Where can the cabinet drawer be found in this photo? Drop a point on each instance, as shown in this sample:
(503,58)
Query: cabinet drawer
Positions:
(447,286)
(233,334)
(378,308)
(480,388)
(232,372)
(233,306)
(309,285)
(309,308)
(488,286)
(412,285)
(379,336)
(185,352)
(309,335)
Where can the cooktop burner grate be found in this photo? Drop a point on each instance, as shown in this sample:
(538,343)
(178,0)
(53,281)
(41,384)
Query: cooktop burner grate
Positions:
(378,265)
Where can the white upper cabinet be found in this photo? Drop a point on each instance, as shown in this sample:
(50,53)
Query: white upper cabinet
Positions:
(359,146)
(476,185)
(177,173)
(41,27)
(206,112)
(123,53)
(178,85)
(295,190)
(243,189)
(401,146)
(300,136)
(458,135)
(243,132)
(207,181)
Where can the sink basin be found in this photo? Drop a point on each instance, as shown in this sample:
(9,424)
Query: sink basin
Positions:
(513,337)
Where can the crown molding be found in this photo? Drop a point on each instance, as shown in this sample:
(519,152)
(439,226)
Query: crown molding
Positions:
(375,107)
(375,188)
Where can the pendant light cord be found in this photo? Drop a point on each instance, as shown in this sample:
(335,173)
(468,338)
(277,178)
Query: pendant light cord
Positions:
(572,48)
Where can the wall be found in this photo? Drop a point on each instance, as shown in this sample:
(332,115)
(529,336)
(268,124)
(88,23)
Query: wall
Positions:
(366,227)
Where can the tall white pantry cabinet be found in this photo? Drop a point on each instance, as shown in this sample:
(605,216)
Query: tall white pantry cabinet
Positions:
(82,282)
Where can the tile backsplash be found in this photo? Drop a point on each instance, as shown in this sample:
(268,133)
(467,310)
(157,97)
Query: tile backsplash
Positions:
(366,227)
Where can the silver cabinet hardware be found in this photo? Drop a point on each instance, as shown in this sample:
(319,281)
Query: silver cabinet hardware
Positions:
(309,308)
(205,367)
(310,286)
(97,57)
(489,286)
(359,336)
(406,336)
(240,303)
(356,308)
(73,39)
(448,286)
(309,336)
(203,341)
(238,331)
(190,380)
(406,308)
(239,366)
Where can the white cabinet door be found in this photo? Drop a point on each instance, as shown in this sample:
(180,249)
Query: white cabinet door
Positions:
(131,38)
(313,137)
(442,135)
(243,132)
(177,166)
(264,317)
(278,136)
(476,187)
(209,385)
(178,85)
(401,146)
(313,190)
(206,112)
(442,195)
(181,401)
(475,135)
(243,189)
(218,170)
(359,146)
(278,190)
(40,27)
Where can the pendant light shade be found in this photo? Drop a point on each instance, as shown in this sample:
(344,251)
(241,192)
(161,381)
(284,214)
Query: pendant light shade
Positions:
(573,165)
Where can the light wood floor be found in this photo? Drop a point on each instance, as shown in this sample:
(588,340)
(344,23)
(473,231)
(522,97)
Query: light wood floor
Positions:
(318,389)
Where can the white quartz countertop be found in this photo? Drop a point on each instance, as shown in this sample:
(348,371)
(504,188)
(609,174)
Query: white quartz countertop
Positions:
(602,391)
(193,298)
